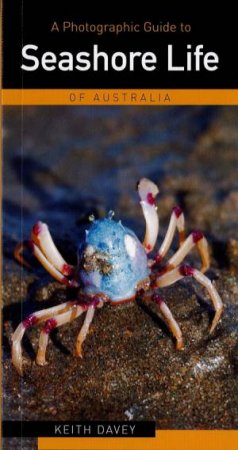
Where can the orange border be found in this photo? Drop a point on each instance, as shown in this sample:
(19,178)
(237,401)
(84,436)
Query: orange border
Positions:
(164,440)
(151,97)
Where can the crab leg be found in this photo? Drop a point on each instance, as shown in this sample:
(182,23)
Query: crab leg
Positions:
(176,222)
(195,239)
(170,320)
(45,263)
(148,191)
(84,330)
(183,271)
(55,321)
(42,238)
(33,319)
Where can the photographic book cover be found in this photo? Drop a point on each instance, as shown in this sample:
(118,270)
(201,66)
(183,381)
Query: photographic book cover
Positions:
(119,229)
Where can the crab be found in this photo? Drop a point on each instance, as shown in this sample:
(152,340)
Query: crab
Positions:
(114,266)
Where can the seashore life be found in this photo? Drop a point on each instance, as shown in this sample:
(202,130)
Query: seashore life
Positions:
(194,58)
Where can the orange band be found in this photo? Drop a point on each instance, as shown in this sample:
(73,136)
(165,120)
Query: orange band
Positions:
(134,97)
(164,440)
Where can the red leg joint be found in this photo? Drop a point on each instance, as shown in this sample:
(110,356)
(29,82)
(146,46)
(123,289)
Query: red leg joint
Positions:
(186,271)
(157,299)
(197,236)
(150,198)
(177,211)
(30,321)
(49,326)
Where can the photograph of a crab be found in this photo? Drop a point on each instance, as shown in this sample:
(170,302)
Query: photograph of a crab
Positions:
(120,279)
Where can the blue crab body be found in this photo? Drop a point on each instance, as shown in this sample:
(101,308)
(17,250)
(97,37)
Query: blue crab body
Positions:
(112,260)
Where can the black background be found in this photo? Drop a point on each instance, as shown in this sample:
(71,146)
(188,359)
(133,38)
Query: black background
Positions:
(28,22)
(47,428)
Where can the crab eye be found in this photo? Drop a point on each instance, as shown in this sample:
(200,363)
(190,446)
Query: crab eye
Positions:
(130,245)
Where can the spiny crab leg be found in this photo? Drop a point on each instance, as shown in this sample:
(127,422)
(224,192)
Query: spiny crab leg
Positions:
(33,319)
(47,264)
(176,222)
(148,191)
(84,330)
(42,238)
(195,239)
(183,271)
(53,322)
(170,320)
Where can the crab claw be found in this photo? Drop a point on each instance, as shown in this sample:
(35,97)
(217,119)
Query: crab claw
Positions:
(148,191)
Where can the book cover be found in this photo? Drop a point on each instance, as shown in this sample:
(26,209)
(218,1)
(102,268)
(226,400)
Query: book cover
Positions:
(119,228)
